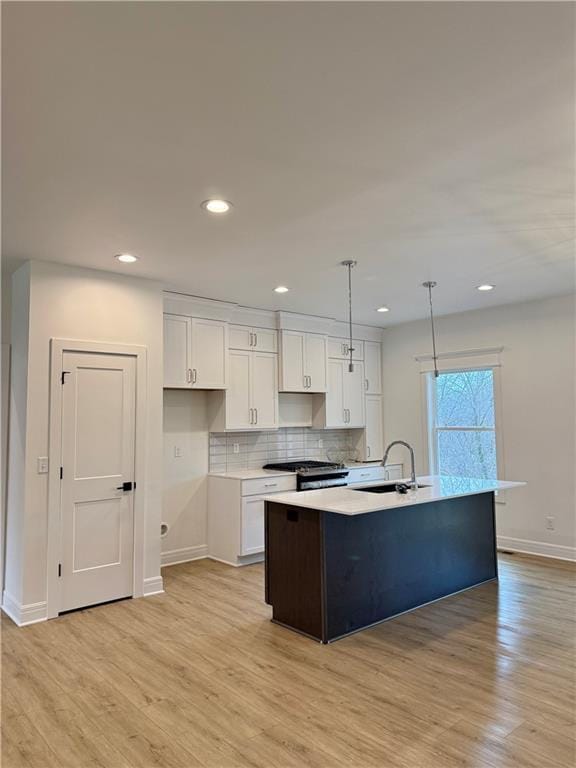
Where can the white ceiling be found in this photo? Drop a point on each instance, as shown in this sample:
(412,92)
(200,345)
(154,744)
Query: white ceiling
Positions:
(425,140)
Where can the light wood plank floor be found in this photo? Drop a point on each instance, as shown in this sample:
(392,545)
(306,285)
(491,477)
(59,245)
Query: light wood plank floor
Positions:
(200,677)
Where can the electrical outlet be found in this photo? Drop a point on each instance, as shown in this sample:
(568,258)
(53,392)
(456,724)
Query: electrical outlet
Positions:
(550,523)
(320,443)
(177,452)
(236,447)
(43,465)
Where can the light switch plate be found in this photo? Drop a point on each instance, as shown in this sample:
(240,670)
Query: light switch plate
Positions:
(43,465)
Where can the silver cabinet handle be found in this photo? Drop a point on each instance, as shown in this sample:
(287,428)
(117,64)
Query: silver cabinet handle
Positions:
(366,385)
(255,339)
(368,450)
(255,415)
(270,485)
(194,375)
(309,382)
(250,342)
(189,375)
(365,474)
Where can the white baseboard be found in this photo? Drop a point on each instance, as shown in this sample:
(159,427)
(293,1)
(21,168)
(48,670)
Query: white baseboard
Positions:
(22,615)
(542,549)
(153,586)
(245,560)
(184,555)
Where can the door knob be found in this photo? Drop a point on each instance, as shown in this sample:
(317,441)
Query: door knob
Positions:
(126,486)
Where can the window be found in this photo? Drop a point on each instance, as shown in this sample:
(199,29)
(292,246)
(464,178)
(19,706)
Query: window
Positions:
(462,423)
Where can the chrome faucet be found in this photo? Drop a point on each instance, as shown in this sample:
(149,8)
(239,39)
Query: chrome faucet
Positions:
(413,481)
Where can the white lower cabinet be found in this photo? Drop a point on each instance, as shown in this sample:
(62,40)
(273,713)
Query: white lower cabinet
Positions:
(236,515)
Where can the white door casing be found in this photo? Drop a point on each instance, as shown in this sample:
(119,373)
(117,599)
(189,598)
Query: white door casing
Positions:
(98,451)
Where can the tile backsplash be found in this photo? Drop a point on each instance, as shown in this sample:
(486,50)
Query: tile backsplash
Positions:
(253,449)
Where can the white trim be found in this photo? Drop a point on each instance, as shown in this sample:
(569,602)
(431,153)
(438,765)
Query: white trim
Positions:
(538,548)
(22,615)
(57,349)
(153,586)
(244,560)
(475,352)
(184,555)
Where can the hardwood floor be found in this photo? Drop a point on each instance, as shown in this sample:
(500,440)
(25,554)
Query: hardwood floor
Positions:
(200,677)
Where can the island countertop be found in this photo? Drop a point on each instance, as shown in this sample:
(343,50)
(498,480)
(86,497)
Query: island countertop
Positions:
(352,500)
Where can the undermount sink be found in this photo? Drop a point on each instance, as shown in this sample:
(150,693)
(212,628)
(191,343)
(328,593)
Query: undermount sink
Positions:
(390,488)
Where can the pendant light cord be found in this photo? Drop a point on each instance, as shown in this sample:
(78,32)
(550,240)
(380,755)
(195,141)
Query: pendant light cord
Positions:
(431,284)
(349,264)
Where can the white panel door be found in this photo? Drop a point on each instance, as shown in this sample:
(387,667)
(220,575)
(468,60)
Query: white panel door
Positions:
(354,395)
(373,367)
(252,528)
(239,413)
(97,515)
(209,354)
(265,390)
(177,333)
(373,437)
(335,413)
(293,354)
(316,362)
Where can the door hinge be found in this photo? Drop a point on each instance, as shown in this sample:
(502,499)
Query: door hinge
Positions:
(62,379)
(59,570)
(61,472)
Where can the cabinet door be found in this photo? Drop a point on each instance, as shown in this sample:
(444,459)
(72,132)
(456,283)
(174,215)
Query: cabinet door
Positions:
(354,395)
(264,380)
(252,528)
(293,352)
(240,337)
(373,367)
(373,435)
(335,414)
(238,394)
(265,340)
(315,362)
(338,348)
(177,332)
(209,354)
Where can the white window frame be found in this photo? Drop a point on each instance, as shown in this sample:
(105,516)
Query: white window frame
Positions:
(453,362)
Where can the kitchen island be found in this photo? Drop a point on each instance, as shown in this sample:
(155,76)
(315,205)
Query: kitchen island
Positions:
(342,559)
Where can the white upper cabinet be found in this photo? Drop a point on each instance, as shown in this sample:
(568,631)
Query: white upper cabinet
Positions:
(373,367)
(177,345)
(195,353)
(373,434)
(343,405)
(209,354)
(339,348)
(303,362)
(251,400)
(259,339)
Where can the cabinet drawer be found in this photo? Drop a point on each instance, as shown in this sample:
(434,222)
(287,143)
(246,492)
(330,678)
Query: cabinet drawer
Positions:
(265,485)
(366,474)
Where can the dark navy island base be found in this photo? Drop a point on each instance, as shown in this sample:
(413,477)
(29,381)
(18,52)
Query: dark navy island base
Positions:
(328,575)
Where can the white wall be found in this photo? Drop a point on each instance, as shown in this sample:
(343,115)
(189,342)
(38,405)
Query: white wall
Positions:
(73,303)
(184,500)
(538,409)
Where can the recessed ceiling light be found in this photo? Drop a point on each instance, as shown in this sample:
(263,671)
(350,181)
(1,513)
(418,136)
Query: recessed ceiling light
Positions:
(382,309)
(126,258)
(281,289)
(216,206)
(485,287)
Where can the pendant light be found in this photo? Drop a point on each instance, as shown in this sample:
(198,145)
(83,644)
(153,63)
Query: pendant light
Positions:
(350,264)
(429,285)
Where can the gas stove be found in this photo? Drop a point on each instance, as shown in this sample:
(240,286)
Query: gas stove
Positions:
(312,475)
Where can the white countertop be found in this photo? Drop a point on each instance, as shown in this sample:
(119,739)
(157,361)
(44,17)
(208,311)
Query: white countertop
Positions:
(251,474)
(347,501)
